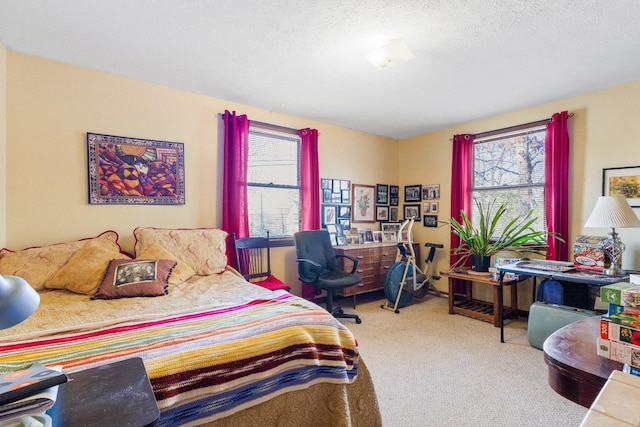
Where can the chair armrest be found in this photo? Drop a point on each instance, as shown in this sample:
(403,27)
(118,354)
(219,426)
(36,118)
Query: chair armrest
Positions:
(353,259)
(316,269)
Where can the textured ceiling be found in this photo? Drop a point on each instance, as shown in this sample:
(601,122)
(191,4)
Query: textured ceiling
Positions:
(474,58)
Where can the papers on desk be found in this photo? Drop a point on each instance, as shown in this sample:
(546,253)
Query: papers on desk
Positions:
(544,265)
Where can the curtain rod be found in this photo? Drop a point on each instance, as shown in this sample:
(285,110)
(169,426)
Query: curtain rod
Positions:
(512,128)
(269,125)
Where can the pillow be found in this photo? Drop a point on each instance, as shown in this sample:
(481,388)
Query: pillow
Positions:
(37,264)
(181,272)
(135,278)
(84,271)
(203,249)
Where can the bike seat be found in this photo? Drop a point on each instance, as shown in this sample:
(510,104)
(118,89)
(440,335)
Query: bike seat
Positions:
(434,245)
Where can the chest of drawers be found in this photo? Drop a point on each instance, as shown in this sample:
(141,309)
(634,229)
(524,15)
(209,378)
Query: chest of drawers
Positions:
(374,259)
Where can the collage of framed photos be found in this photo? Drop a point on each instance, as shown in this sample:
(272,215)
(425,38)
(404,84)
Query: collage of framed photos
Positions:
(344,203)
(423,198)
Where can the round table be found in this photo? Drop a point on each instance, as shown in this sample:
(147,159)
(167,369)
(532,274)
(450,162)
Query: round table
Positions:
(575,369)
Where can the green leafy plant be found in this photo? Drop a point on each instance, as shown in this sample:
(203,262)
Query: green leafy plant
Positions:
(484,240)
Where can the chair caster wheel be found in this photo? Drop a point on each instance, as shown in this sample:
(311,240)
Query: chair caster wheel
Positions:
(381,305)
(358,321)
(397,311)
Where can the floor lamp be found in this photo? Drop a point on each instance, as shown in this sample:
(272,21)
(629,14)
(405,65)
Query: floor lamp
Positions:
(614,212)
(18,300)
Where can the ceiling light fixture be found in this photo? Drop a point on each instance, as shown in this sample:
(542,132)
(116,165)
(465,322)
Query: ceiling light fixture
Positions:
(394,52)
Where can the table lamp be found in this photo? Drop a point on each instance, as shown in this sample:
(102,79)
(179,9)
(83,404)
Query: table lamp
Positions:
(613,211)
(18,300)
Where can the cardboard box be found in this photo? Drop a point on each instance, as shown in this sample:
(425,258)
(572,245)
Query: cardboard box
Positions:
(624,353)
(612,293)
(631,297)
(588,253)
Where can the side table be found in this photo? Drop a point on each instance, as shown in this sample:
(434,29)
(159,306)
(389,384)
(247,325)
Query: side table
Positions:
(116,394)
(490,312)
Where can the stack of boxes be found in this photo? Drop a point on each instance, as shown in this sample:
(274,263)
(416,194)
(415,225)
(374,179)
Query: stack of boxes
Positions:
(619,338)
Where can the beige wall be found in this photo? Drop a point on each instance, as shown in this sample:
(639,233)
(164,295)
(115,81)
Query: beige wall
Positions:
(3,143)
(46,108)
(604,133)
(50,107)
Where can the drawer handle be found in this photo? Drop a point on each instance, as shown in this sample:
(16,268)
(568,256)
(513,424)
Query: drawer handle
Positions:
(360,257)
(360,271)
(386,267)
(360,284)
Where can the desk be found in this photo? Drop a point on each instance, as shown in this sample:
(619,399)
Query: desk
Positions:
(481,309)
(575,370)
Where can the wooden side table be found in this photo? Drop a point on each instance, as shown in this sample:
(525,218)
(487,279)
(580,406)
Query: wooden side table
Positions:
(489,312)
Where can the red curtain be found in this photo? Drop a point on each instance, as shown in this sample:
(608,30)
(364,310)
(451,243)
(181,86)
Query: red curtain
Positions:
(235,217)
(461,183)
(310,190)
(556,186)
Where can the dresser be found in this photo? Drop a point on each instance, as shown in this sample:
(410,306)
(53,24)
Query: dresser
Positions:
(374,259)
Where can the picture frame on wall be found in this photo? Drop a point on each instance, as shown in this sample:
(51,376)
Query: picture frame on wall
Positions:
(393,214)
(431,192)
(382,194)
(434,207)
(430,220)
(623,181)
(134,171)
(411,211)
(412,193)
(363,206)
(382,213)
(329,215)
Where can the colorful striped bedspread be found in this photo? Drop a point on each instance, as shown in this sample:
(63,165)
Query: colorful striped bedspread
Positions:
(210,363)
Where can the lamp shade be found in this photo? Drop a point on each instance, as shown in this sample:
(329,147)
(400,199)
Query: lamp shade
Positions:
(612,211)
(18,300)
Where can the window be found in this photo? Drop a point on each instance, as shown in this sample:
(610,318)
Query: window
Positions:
(273,187)
(510,169)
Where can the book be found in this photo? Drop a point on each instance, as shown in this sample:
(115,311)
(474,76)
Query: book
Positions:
(17,385)
(32,405)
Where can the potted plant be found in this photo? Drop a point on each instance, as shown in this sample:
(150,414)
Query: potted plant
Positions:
(482,242)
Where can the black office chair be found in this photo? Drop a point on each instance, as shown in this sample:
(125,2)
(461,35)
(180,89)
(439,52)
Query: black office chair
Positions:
(318,266)
(253,260)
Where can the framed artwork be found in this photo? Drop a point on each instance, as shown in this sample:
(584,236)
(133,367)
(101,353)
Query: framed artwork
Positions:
(624,181)
(132,171)
(329,215)
(412,193)
(431,192)
(382,213)
(411,211)
(394,190)
(393,214)
(377,236)
(344,211)
(345,196)
(382,194)
(363,199)
(326,184)
(426,207)
(435,206)
(393,200)
(430,220)
(345,223)
(335,191)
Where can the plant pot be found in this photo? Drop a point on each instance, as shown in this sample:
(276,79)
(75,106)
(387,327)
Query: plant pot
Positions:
(480,263)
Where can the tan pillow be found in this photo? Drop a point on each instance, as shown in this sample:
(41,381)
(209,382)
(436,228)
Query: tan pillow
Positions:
(181,272)
(37,264)
(135,278)
(85,270)
(203,249)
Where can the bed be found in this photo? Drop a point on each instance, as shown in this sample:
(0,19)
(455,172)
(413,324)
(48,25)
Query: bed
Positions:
(218,350)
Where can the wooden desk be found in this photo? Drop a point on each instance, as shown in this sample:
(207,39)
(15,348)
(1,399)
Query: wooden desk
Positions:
(483,310)
(575,370)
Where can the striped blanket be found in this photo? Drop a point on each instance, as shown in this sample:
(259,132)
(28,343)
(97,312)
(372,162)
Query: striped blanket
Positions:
(207,364)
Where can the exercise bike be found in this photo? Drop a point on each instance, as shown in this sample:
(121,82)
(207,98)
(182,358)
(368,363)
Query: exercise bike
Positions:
(404,279)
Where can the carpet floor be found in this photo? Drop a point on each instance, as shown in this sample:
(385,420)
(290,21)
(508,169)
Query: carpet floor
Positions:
(431,368)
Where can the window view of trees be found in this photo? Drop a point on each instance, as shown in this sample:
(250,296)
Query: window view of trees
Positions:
(510,169)
(273,185)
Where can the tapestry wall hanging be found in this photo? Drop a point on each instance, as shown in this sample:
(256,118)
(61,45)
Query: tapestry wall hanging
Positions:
(129,171)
